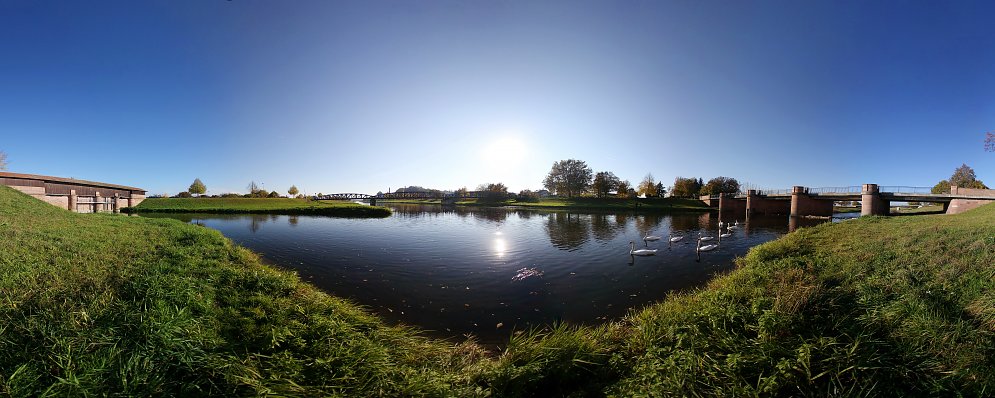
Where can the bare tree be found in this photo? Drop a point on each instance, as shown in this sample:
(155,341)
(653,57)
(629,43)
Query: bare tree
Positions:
(3,160)
(990,142)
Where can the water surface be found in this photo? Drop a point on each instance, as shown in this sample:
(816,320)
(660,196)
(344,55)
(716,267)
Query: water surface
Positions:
(459,271)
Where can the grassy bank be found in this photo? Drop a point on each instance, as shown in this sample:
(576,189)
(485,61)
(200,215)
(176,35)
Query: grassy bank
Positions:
(114,305)
(610,204)
(258,206)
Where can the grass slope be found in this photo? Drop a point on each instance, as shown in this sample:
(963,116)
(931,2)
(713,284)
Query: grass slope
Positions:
(110,304)
(258,206)
(115,305)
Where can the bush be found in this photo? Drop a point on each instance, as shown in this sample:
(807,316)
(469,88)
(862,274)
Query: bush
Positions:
(183,194)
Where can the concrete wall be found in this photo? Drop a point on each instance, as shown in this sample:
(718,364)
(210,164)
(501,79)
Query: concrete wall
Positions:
(730,203)
(756,204)
(962,205)
(709,201)
(989,193)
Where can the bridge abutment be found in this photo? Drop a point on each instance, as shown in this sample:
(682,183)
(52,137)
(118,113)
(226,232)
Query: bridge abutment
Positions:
(871,202)
(803,205)
(758,204)
(730,203)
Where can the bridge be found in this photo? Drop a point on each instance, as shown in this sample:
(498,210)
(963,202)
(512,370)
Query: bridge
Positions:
(818,202)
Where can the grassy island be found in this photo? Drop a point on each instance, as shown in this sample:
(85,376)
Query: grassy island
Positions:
(98,304)
(258,206)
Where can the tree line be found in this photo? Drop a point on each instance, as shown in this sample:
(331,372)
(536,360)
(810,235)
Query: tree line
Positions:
(573,178)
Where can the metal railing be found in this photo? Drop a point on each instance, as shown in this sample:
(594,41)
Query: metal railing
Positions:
(909,190)
(830,190)
(774,191)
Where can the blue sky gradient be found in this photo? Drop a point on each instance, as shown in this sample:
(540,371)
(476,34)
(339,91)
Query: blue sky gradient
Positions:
(365,96)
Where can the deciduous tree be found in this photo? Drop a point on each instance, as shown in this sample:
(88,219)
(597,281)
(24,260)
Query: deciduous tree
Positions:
(604,182)
(293,191)
(990,142)
(941,187)
(3,160)
(568,177)
(197,187)
(623,188)
(719,185)
(647,187)
(964,177)
(686,187)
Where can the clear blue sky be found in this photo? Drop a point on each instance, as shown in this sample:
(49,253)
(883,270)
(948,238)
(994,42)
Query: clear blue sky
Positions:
(360,96)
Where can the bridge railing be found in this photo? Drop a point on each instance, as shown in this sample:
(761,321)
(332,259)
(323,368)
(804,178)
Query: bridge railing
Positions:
(831,190)
(907,190)
(774,191)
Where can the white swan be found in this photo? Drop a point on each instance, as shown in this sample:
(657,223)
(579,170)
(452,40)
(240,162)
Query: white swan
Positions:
(652,238)
(727,234)
(704,238)
(674,239)
(640,252)
(705,248)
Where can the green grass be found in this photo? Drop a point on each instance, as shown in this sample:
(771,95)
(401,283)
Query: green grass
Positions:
(258,206)
(116,305)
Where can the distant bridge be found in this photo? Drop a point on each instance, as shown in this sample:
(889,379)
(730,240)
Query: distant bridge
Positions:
(874,199)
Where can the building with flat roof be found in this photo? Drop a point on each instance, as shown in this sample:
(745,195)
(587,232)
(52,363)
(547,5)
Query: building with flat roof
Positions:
(75,195)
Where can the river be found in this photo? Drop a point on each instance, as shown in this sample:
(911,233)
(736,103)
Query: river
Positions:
(487,272)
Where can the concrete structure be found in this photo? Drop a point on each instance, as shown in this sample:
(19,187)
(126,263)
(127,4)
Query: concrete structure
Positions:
(964,204)
(818,202)
(75,195)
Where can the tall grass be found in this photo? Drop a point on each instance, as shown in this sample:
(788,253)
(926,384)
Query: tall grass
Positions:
(115,305)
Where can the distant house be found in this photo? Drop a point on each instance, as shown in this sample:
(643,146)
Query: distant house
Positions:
(543,193)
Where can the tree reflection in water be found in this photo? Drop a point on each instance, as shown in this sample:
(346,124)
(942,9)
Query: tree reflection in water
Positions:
(568,231)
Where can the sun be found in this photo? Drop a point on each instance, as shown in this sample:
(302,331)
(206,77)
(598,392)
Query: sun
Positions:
(504,151)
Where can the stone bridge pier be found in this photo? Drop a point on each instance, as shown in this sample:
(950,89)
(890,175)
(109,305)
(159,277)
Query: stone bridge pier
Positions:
(803,204)
(871,202)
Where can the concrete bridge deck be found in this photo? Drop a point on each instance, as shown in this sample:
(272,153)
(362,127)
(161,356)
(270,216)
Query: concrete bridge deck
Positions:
(818,202)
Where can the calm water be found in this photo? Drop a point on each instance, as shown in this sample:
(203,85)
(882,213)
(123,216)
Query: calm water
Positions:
(458,271)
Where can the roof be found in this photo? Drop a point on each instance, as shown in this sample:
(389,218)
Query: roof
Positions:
(4,174)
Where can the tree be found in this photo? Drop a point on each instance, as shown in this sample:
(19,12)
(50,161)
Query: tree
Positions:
(964,177)
(941,187)
(719,185)
(660,190)
(989,143)
(623,188)
(647,187)
(686,187)
(3,160)
(197,187)
(493,191)
(273,194)
(293,191)
(604,182)
(253,188)
(568,177)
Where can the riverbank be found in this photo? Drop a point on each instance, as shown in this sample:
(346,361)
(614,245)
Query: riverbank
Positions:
(588,204)
(258,206)
(111,305)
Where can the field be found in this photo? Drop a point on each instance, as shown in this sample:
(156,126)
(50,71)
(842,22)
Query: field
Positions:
(102,304)
(258,206)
